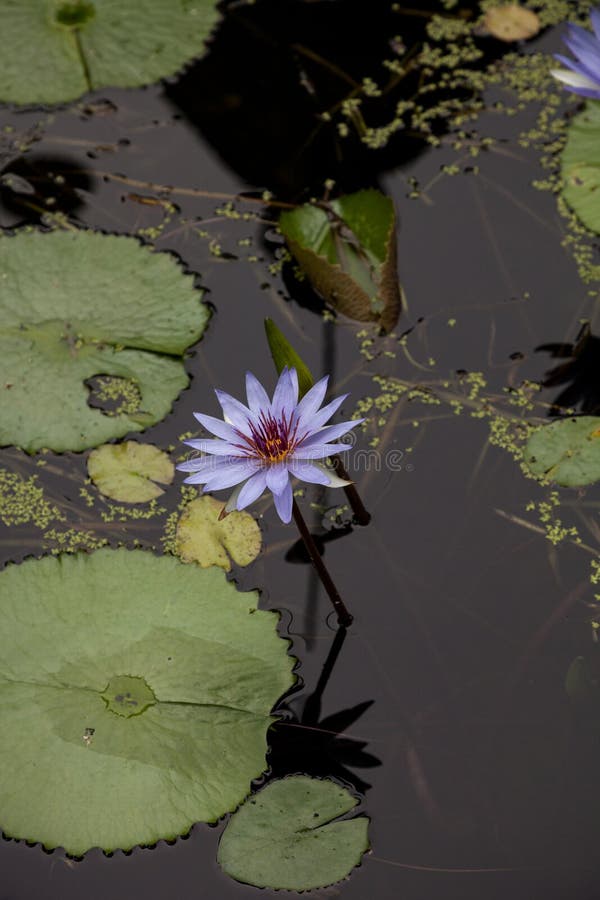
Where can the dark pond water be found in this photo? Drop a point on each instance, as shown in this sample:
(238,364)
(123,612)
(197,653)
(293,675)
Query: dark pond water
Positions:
(445,708)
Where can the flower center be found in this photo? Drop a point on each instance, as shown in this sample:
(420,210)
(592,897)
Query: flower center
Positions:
(271,439)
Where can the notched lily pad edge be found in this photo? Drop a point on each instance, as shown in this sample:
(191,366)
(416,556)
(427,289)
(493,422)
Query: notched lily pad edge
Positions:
(98,93)
(186,356)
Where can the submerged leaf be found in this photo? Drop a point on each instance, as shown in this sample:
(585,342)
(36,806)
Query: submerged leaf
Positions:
(566,451)
(135,695)
(205,539)
(348,251)
(581,166)
(284,355)
(54,52)
(77,305)
(285,836)
(511,22)
(130,472)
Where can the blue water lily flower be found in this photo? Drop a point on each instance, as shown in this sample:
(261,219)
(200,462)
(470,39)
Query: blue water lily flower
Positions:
(257,447)
(582,76)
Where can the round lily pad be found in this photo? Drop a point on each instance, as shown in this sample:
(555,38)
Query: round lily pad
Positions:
(566,451)
(581,166)
(205,539)
(56,50)
(135,694)
(77,305)
(130,472)
(285,836)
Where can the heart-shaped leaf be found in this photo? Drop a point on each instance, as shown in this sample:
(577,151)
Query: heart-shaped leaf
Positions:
(56,50)
(566,451)
(135,694)
(581,166)
(130,472)
(209,541)
(286,836)
(77,305)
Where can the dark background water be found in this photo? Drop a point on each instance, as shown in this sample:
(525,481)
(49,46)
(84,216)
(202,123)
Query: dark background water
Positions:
(446,708)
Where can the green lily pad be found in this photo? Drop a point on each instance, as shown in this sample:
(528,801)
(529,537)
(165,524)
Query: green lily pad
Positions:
(55,50)
(566,451)
(205,539)
(77,305)
(285,836)
(130,472)
(581,166)
(347,248)
(135,695)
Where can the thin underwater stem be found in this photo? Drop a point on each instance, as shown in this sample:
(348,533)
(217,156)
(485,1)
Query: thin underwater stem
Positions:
(343,616)
(361,514)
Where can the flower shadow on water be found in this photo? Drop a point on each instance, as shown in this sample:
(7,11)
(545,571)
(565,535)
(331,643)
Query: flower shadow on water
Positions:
(317,746)
(578,375)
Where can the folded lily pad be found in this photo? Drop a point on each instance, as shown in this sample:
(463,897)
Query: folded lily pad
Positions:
(209,541)
(75,305)
(55,50)
(581,166)
(347,248)
(285,836)
(130,472)
(566,451)
(135,695)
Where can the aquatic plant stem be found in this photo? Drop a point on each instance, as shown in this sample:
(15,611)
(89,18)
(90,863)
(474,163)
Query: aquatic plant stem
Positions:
(343,616)
(361,514)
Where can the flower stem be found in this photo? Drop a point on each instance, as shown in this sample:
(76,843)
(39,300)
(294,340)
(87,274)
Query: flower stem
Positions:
(343,616)
(362,516)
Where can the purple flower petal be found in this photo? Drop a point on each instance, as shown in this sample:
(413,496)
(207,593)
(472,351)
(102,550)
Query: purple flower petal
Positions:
(319,418)
(285,397)
(311,402)
(199,464)
(227,476)
(258,399)
(306,471)
(277,478)
(205,467)
(235,412)
(579,68)
(251,490)
(318,451)
(329,433)
(595,19)
(218,426)
(216,447)
(283,504)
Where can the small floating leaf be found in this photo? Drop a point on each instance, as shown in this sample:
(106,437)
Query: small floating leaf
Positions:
(204,539)
(581,166)
(285,836)
(55,51)
(566,451)
(284,355)
(78,305)
(130,472)
(348,250)
(511,22)
(135,696)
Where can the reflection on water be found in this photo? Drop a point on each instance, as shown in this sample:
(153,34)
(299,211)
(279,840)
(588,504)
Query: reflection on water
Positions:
(445,704)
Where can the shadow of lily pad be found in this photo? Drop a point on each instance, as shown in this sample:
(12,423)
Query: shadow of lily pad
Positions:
(135,696)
